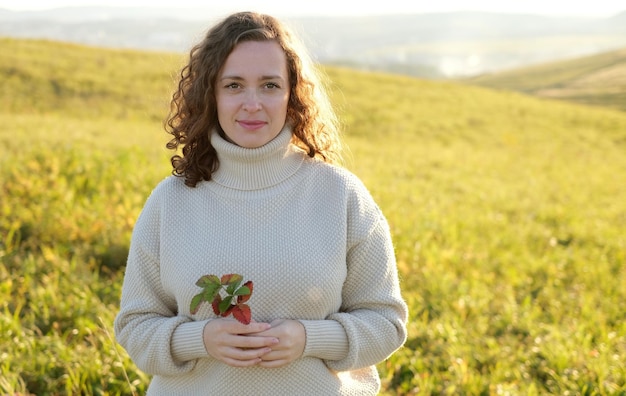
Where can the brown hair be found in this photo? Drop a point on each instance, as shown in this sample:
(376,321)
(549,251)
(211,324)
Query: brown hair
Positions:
(193,111)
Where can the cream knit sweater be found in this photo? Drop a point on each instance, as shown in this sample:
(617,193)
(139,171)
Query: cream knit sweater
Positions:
(307,234)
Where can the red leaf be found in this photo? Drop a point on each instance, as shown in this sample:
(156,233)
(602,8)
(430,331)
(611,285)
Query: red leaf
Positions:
(207,280)
(216,304)
(245,298)
(231,278)
(242,313)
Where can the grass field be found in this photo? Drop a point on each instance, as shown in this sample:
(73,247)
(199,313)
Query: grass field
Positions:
(508,214)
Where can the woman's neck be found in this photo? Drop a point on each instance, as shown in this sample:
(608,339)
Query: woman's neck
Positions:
(257,168)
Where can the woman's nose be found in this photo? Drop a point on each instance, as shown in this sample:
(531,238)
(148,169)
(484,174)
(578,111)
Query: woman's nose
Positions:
(251,102)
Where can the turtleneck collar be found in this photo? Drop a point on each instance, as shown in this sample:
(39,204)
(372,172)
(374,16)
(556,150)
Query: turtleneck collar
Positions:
(254,169)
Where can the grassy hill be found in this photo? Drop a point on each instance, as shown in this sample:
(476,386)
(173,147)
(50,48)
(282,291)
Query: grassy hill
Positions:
(508,215)
(595,80)
(40,76)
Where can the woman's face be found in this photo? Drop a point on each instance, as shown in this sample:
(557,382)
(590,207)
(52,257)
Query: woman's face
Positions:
(252,93)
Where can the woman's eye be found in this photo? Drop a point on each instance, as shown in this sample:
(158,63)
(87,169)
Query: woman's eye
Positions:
(271,85)
(233,85)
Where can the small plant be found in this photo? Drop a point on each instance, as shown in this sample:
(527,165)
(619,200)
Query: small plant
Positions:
(234,302)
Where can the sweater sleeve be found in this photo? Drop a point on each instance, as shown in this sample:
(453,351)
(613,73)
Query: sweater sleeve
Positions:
(148,325)
(371,323)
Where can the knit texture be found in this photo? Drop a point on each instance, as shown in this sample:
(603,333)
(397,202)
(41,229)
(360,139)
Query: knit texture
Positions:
(310,237)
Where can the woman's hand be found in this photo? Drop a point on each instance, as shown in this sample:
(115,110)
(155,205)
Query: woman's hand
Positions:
(292,340)
(236,344)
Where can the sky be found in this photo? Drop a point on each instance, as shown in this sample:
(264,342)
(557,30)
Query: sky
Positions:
(588,8)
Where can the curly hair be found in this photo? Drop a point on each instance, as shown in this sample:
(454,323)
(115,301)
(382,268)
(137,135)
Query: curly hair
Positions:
(193,110)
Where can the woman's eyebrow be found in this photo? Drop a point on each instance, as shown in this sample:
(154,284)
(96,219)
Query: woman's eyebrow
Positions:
(263,78)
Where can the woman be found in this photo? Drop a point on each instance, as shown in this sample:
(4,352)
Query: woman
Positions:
(256,191)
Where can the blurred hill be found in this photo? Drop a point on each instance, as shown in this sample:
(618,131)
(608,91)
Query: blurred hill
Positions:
(436,45)
(593,80)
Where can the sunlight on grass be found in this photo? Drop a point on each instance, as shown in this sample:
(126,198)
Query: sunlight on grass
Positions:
(508,215)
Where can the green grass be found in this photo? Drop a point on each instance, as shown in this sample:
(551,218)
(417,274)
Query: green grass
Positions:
(508,214)
(593,80)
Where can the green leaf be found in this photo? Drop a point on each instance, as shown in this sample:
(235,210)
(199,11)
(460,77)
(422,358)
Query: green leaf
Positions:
(242,291)
(210,291)
(246,297)
(225,304)
(232,287)
(195,303)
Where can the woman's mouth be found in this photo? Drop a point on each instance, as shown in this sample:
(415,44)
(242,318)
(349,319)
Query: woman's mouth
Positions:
(251,125)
